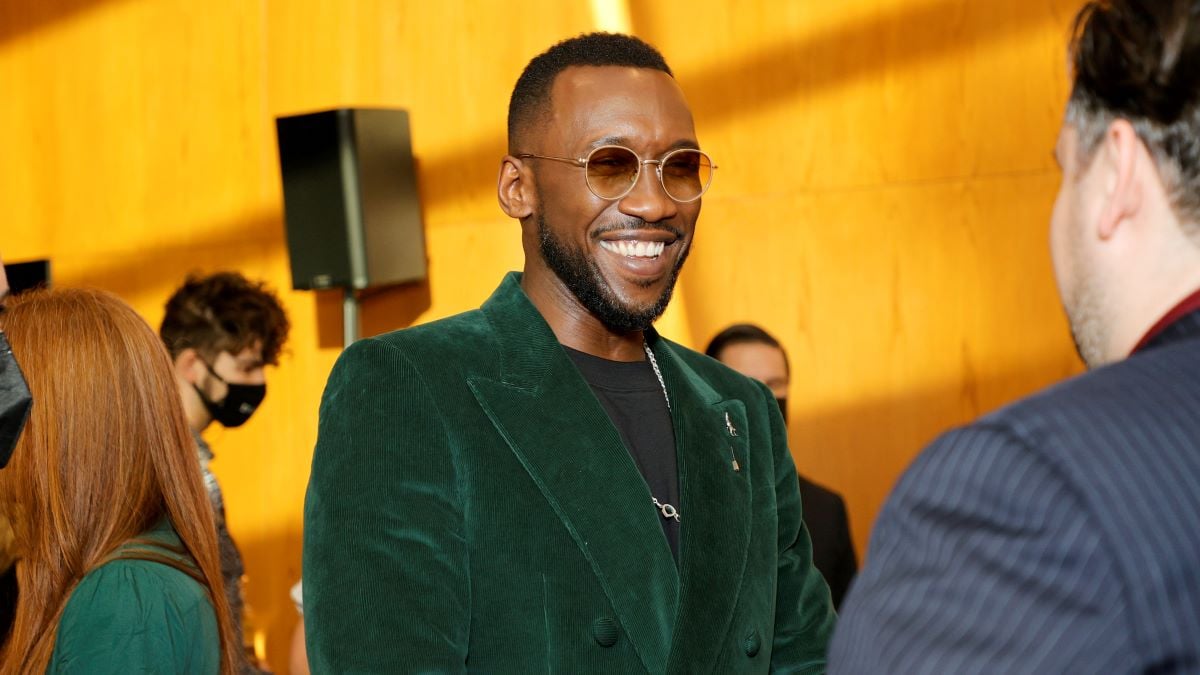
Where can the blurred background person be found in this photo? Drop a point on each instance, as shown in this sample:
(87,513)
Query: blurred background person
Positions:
(117,562)
(755,353)
(221,331)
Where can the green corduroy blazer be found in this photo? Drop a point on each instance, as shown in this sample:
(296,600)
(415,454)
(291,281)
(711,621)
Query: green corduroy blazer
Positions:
(472,508)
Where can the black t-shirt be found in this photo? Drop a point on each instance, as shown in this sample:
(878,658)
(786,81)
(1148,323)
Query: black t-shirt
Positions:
(633,398)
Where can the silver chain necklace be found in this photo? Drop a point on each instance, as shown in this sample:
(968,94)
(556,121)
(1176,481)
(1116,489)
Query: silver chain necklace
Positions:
(657,372)
(669,512)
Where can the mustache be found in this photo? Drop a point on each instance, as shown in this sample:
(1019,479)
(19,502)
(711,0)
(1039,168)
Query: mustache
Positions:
(635,225)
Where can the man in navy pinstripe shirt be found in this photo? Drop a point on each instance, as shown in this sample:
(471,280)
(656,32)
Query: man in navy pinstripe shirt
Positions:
(1062,534)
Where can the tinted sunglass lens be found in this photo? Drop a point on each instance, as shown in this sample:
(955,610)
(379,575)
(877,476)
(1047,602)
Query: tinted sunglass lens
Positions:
(686,174)
(612,171)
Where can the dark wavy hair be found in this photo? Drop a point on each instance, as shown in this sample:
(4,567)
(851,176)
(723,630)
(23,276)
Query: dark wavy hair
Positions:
(224,312)
(1139,60)
(531,95)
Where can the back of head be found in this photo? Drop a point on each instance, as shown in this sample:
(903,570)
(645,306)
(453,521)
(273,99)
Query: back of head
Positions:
(741,333)
(224,312)
(531,96)
(105,455)
(1139,60)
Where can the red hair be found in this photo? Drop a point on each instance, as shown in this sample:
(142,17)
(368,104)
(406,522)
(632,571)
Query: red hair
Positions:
(106,455)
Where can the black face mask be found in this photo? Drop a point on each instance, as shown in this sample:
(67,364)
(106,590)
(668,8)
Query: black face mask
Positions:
(239,403)
(15,401)
(782,407)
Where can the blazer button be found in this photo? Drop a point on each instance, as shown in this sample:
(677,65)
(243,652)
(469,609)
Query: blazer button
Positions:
(604,631)
(752,643)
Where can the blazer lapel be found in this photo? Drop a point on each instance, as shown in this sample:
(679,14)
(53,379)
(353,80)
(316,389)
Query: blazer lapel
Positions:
(715,510)
(559,432)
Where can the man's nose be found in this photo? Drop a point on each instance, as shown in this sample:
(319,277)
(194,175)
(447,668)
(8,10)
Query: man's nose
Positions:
(648,200)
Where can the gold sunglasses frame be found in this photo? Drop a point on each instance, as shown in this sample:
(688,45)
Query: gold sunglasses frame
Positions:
(582,162)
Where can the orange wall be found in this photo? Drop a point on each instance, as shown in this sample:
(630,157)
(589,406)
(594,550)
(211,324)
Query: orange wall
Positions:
(881,205)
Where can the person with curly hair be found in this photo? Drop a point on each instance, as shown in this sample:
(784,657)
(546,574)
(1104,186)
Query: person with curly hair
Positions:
(222,331)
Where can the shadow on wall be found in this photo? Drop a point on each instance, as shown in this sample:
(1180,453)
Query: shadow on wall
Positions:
(916,33)
(164,265)
(21,18)
(831,60)
(827,444)
(233,245)
(380,310)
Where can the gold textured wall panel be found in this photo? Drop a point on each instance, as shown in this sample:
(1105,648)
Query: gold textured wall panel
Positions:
(881,205)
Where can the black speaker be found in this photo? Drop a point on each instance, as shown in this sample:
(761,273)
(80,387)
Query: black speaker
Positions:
(26,276)
(350,198)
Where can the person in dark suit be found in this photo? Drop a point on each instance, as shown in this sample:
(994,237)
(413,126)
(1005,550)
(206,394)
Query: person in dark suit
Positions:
(755,353)
(546,484)
(1062,533)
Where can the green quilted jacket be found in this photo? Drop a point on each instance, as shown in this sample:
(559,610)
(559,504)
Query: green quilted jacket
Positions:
(137,616)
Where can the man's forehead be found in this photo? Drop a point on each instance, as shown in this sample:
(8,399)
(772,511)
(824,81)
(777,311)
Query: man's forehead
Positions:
(594,103)
(757,357)
(588,76)
(250,355)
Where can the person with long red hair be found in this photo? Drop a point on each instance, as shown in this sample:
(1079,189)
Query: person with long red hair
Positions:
(117,563)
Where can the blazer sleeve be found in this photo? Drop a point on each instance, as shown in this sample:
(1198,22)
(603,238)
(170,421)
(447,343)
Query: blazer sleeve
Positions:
(984,559)
(386,587)
(804,615)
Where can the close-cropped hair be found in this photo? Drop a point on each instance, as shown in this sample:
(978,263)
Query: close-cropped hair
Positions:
(1139,60)
(531,96)
(224,312)
(740,334)
(106,455)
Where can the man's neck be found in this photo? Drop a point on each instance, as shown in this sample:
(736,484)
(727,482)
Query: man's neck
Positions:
(603,342)
(199,423)
(579,329)
(197,415)
(1149,318)
(1163,284)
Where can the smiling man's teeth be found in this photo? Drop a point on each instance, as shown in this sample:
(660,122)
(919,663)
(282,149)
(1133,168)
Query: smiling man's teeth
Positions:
(635,249)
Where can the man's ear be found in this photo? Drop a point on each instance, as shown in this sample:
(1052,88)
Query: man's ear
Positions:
(516,193)
(189,365)
(1123,176)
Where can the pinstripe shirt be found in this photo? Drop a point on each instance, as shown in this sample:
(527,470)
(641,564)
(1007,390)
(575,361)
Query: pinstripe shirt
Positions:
(1061,534)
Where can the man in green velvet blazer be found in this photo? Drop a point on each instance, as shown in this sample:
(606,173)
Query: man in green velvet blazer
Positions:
(545,484)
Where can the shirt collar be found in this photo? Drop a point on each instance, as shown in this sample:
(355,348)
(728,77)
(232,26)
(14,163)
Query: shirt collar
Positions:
(1188,305)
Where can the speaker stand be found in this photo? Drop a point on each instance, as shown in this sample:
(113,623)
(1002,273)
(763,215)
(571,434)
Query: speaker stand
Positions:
(349,317)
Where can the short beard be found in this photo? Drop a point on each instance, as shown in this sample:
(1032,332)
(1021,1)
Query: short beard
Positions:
(1085,314)
(582,277)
